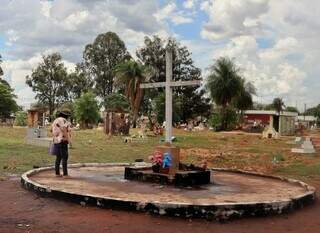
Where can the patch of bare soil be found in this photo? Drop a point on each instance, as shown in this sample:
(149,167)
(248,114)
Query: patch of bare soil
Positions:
(24,211)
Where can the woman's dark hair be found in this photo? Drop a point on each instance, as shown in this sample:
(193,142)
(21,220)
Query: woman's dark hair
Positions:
(63,114)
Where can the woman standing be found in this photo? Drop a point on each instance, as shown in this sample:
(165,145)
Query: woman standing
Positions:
(61,130)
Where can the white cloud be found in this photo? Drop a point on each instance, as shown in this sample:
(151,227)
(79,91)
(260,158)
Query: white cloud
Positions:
(42,27)
(228,18)
(172,13)
(275,42)
(189,4)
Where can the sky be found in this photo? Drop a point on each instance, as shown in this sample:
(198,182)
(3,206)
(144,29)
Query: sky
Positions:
(274,43)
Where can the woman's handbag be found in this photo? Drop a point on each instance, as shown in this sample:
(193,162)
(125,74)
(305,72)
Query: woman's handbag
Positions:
(53,149)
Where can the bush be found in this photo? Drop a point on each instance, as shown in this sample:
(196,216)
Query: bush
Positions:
(21,119)
(215,121)
(87,110)
(224,120)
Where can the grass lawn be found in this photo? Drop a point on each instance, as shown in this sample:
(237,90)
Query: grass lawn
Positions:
(234,150)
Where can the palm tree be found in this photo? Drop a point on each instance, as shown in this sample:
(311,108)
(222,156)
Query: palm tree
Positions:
(129,75)
(224,84)
(278,104)
(244,100)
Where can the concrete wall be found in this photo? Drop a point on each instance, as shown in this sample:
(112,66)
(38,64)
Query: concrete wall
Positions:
(287,126)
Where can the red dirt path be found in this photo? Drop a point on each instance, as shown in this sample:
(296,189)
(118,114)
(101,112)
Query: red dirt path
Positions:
(24,211)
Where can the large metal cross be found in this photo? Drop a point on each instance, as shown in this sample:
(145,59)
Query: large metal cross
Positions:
(169,84)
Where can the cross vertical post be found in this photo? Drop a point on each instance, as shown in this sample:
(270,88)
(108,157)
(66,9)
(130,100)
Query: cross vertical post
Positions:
(168,95)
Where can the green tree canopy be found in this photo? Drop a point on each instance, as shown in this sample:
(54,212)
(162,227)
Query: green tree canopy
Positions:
(160,106)
(86,109)
(100,59)
(116,102)
(278,104)
(291,109)
(129,75)
(315,111)
(152,54)
(224,82)
(243,100)
(228,89)
(79,82)
(8,103)
(49,81)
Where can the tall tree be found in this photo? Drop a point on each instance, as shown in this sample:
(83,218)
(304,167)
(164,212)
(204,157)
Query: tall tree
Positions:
(101,57)
(49,81)
(79,82)
(153,54)
(8,103)
(278,104)
(130,75)
(1,74)
(224,84)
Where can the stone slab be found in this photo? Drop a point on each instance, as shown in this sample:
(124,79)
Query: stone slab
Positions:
(181,178)
(235,193)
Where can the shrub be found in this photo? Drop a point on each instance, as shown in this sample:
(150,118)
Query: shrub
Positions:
(21,119)
(224,120)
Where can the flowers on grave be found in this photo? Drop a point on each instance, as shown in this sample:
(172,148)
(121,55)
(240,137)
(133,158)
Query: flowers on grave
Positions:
(156,160)
(167,160)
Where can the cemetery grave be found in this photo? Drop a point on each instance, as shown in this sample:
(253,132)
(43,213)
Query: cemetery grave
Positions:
(168,187)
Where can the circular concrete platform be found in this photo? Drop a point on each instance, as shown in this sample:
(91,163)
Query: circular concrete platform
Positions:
(232,193)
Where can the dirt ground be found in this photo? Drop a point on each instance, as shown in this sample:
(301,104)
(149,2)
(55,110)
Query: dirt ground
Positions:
(24,211)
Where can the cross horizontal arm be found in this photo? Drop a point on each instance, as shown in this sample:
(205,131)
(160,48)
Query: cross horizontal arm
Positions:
(172,84)
(185,83)
(152,85)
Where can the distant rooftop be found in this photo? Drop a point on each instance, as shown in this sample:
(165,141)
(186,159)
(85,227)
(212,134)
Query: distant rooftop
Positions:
(270,112)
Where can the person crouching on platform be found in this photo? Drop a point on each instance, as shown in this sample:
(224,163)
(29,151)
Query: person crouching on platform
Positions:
(61,130)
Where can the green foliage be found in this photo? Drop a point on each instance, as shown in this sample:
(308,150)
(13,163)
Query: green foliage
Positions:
(243,100)
(315,111)
(21,118)
(215,121)
(117,102)
(291,109)
(228,90)
(224,120)
(79,82)
(277,104)
(152,54)
(224,82)
(278,158)
(87,110)
(129,75)
(49,81)
(8,103)
(100,59)
(160,105)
